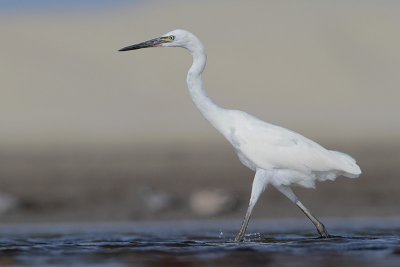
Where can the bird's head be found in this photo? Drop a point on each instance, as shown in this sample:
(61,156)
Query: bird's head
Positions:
(176,38)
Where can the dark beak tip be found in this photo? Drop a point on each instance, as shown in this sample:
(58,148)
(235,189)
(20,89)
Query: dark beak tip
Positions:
(126,49)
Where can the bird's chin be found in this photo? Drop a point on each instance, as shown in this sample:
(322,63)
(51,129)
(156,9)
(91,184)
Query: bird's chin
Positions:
(167,45)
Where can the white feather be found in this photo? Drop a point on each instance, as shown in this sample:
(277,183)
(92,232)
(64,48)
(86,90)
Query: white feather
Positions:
(277,155)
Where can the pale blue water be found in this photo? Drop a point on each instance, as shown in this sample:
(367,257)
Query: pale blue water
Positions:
(28,6)
(199,244)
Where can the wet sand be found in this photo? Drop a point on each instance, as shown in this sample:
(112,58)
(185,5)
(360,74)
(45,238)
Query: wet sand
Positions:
(144,183)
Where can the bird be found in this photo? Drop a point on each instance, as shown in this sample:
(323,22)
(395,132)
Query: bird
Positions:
(278,156)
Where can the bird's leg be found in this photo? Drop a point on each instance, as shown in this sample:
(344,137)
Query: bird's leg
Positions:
(259,183)
(288,192)
(240,235)
(319,225)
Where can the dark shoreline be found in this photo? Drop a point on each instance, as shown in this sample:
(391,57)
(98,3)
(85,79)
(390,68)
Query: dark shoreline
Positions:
(121,185)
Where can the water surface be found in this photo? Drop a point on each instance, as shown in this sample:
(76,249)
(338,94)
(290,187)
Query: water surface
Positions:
(276,243)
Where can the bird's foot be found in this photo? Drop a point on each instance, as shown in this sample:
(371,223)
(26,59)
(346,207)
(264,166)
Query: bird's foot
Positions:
(322,231)
(239,237)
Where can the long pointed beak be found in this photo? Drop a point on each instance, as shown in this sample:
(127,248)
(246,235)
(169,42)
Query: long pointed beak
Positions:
(151,43)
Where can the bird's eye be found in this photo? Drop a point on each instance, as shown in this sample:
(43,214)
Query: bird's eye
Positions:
(171,37)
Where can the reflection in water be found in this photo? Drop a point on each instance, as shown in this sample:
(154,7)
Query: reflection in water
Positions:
(191,244)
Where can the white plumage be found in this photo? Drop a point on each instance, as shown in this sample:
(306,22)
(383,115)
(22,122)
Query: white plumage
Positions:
(279,156)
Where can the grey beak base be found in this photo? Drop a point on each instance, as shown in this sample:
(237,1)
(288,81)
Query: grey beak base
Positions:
(150,43)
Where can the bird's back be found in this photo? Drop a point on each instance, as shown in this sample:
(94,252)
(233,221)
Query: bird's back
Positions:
(270,147)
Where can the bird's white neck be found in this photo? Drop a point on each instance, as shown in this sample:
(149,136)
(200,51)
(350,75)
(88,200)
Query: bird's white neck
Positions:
(212,112)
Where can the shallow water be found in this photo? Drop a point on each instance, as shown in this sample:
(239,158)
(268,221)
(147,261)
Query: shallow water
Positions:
(271,243)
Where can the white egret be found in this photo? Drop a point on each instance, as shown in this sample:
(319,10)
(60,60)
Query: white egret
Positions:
(278,156)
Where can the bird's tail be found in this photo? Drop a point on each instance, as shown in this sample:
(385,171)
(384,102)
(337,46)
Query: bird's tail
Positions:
(349,165)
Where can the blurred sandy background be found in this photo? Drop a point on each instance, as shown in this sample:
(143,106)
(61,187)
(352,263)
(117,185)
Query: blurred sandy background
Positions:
(89,134)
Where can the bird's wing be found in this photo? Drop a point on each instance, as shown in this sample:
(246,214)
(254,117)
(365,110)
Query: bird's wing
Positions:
(270,146)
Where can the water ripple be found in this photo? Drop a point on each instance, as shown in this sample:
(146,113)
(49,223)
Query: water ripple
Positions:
(198,247)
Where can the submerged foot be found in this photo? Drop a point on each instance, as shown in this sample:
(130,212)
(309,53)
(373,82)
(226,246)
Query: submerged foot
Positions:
(322,231)
(239,237)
